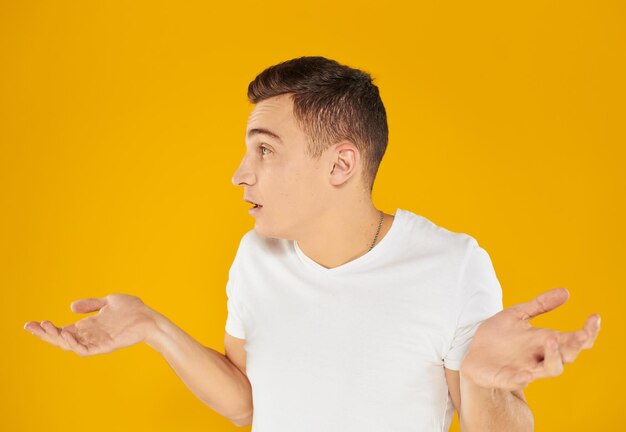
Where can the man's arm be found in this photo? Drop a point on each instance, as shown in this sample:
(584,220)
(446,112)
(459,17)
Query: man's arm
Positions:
(235,351)
(124,320)
(506,354)
(488,409)
(210,375)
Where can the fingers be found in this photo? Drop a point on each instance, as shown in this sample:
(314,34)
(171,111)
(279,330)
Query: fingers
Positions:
(571,343)
(552,364)
(75,346)
(47,332)
(592,326)
(87,305)
(543,303)
(35,328)
(66,338)
(50,329)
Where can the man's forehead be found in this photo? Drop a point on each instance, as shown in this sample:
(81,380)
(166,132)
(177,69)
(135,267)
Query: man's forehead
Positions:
(270,116)
(277,106)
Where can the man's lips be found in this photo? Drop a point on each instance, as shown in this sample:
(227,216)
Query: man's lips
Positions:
(256,205)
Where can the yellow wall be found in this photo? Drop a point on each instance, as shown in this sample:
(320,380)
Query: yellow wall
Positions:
(121,124)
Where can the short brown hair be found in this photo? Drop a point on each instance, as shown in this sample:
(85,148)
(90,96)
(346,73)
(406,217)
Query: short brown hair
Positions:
(332,102)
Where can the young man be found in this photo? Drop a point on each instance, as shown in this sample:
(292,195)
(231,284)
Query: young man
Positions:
(342,317)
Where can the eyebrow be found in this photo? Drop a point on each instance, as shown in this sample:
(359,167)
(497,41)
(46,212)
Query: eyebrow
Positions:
(257,131)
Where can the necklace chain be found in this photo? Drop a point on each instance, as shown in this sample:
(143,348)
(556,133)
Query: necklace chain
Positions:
(380,223)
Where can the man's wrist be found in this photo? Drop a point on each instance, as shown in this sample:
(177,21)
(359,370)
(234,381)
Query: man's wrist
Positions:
(492,408)
(157,330)
(470,386)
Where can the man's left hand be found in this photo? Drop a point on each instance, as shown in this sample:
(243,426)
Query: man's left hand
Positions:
(508,353)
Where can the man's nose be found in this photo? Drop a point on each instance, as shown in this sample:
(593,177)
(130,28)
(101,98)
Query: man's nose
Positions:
(243,175)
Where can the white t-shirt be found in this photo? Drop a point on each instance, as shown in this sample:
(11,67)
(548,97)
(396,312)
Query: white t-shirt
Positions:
(359,347)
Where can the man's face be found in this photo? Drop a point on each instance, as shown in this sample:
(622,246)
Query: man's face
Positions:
(276,173)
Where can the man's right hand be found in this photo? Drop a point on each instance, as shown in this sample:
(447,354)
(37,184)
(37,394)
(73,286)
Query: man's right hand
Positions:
(123,320)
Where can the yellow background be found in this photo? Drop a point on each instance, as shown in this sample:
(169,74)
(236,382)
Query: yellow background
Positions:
(121,124)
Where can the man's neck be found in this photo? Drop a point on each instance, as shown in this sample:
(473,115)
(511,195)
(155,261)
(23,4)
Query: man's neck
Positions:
(348,233)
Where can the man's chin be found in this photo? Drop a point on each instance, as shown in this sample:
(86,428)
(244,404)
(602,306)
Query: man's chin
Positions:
(260,231)
(265,233)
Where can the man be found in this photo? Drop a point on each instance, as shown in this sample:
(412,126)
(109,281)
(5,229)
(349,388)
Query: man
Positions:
(342,317)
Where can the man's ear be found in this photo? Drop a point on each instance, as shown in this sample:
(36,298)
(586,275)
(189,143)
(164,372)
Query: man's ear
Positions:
(344,159)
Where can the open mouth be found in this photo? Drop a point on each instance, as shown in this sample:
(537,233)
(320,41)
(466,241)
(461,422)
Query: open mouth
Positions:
(254,205)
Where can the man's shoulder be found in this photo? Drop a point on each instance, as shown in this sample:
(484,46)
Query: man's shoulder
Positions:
(428,233)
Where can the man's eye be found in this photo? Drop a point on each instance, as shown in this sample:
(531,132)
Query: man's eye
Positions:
(264,148)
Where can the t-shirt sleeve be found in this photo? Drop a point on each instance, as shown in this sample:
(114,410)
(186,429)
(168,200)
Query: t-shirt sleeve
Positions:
(234,320)
(234,304)
(480,297)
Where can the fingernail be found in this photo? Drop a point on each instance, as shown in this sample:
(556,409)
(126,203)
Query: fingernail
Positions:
(598,322)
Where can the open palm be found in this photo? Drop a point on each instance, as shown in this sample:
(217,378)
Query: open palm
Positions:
(122,320)
(507,352)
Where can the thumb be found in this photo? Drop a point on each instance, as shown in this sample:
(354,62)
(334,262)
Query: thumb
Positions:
(544,302)
(88,305)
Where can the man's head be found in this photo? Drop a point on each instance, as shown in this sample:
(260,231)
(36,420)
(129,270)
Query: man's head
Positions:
(332,130)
